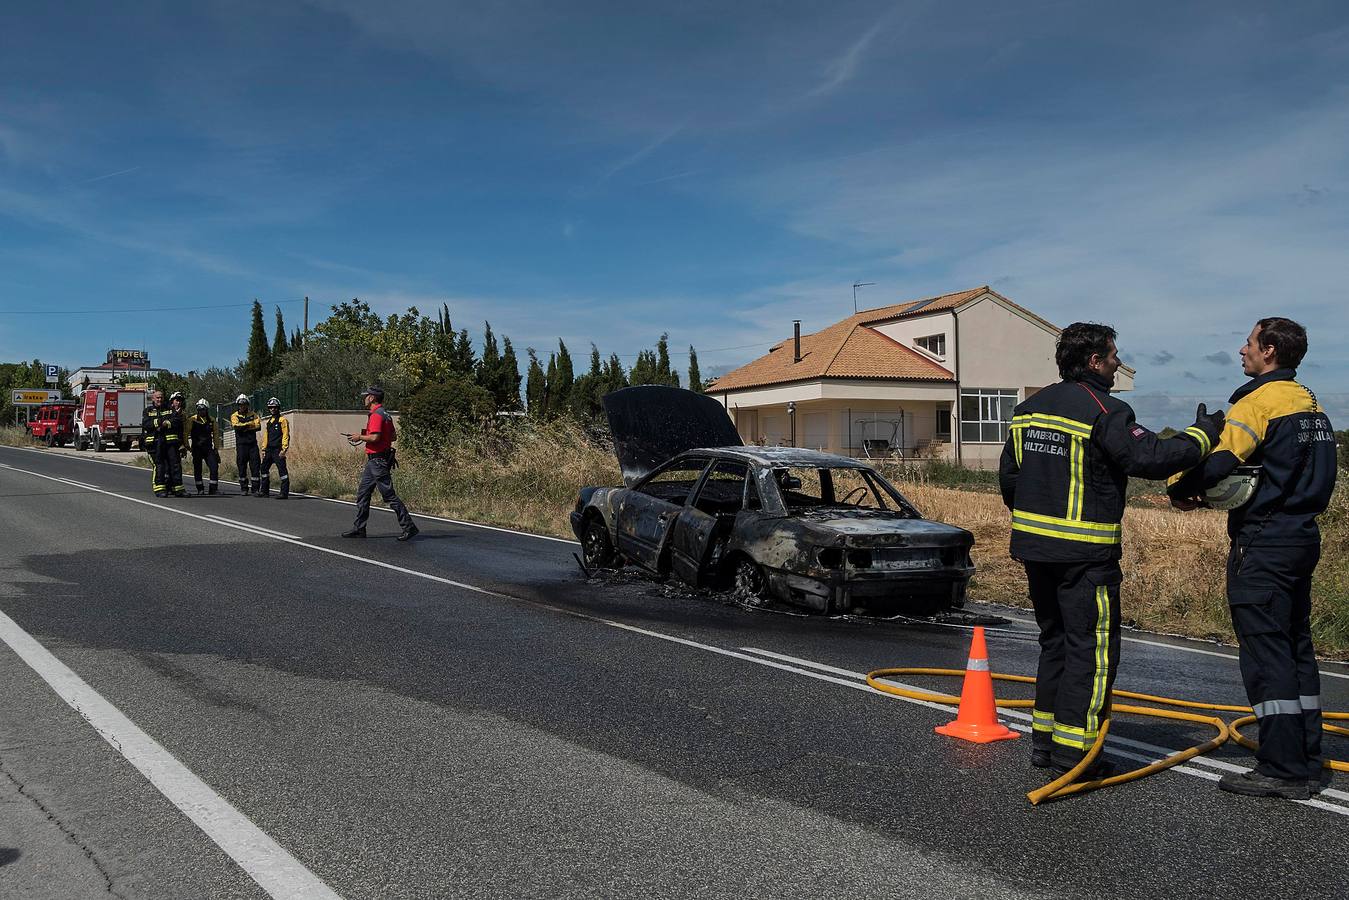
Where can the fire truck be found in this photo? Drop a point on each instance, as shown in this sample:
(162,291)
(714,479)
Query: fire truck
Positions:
(109,415)
(54,423)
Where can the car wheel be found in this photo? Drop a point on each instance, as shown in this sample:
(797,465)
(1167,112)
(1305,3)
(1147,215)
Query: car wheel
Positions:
(750,584)
(596,548)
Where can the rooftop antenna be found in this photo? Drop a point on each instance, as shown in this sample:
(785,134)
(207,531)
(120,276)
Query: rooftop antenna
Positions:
(855,286)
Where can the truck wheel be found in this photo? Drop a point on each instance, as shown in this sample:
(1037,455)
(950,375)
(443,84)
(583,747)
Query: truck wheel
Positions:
(124,444)
(50,439)
(596,547)
(96,441)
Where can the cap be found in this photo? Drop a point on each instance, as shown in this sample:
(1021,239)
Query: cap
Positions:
(372,391)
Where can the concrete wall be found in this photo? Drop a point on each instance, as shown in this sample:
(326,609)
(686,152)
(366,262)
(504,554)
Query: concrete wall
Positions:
(317,430)
(1000,348)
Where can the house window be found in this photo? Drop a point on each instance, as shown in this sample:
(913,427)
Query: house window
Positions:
(943,432)
(985,414)
(933,343)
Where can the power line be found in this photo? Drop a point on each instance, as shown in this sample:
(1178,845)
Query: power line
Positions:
(142,309)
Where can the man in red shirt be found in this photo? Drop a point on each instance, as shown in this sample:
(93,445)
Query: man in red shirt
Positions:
(378,437)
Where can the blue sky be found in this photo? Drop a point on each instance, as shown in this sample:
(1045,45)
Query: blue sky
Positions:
(608,171)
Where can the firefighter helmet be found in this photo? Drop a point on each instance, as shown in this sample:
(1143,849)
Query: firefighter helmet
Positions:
(242,398)
(1234,491)
(176,395)
(273,402)
(202,404)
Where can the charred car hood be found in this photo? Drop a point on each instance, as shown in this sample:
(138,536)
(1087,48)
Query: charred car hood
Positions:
(881,528)
(651,423)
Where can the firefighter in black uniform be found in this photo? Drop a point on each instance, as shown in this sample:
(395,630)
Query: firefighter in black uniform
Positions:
(201,437)
(246,424)
(1276,424)
(275,443)
(173,444)
(151,443)
(1069,454)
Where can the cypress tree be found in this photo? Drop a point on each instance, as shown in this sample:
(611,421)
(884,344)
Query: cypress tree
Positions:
(536,387)
(258,361)
(614,377)
(665,374)
(463,360)
(489,366)
(279,344)
(566,377)
(550,408)
(695,377)
(508,378)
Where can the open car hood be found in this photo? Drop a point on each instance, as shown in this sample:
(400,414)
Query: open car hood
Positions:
(651,423)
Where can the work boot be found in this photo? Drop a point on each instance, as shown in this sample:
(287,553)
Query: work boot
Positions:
(200,490)
(266,490)
(1039,759)
(354,533)
(409,533)
(1318,783)
(1253,784)
(211,489)
(243,486)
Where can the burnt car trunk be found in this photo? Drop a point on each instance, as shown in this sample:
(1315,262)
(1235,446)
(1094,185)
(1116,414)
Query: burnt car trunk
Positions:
(653,423)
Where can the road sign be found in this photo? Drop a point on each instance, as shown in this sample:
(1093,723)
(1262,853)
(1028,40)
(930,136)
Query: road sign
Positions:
(33,398)
(53,372)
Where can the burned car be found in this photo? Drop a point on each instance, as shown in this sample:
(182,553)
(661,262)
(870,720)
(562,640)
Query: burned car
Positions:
(813,529)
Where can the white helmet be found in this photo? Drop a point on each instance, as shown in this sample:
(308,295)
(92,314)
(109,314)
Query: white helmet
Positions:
(273,402)
(242,398)
(202,404)
(1234,491)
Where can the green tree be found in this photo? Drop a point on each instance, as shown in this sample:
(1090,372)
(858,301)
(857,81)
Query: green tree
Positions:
(550,408)
(536,388)
(258,362)
(437,413)
(695,377)
(615,379)
(665,374)
(463,361)
(559,388)
(279,343)
(507,392)
(645,370)
(587,390)
(490,362)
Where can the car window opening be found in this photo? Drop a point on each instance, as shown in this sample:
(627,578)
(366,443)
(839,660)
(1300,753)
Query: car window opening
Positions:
(674,482)
(849,488)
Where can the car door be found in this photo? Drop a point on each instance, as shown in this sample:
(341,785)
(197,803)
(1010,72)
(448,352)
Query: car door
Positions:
(707,518)
(648,510)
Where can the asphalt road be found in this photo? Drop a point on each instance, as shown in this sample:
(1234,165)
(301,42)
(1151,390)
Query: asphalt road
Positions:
(467,715)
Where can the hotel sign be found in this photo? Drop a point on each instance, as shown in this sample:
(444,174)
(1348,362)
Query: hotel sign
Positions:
(136,358)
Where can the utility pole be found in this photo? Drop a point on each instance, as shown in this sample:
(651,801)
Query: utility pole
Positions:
(855,286)
(306,320)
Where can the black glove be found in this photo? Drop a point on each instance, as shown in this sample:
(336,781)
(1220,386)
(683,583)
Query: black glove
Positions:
(1211,423)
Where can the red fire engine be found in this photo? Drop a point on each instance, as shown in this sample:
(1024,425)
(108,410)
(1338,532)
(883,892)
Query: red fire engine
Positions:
(54,423)
(109,415)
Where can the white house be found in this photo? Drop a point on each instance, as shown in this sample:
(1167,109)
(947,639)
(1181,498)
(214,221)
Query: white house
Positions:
(934,378)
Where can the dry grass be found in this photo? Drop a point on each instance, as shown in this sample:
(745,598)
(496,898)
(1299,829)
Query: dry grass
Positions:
(1173,562)
(14,436)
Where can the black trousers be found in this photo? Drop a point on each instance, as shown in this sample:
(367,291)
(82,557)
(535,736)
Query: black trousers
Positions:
(168,467)
(212,461)
(156,464)
(246,459)
(377,475)
(1269,594)
(1077,608)
(268,458)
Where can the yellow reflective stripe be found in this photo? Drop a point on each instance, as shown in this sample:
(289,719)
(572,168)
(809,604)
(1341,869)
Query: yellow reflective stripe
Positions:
(1205,445)
(1042,721)
(1064,536)
(1017,437)
(1059,423)
(1102,659)
(1076,485)
(1102,527)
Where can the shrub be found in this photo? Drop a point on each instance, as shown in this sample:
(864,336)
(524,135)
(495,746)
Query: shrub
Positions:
(437,413)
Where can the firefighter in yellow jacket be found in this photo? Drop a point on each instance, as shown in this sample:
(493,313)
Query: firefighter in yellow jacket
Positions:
(246,425)
(275,443)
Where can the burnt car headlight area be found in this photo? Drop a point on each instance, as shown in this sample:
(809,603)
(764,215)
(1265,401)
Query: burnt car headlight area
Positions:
(880,580)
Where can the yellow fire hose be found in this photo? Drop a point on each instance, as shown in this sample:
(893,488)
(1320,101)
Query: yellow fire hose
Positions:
(1064,785)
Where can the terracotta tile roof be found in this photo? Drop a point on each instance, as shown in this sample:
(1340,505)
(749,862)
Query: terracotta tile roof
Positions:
(849,349)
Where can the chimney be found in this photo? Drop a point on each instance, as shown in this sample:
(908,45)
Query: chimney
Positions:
(796,334)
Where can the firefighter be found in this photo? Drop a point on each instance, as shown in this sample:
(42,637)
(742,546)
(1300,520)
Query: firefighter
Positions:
(275,443)
(150,442)
(173,444)
(201,438)
(246,424)
(1070,451)
(1277,424)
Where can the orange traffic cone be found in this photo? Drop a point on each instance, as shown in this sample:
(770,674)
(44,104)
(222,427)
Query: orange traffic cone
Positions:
(977,719)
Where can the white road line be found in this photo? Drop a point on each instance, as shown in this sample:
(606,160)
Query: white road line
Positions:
(76,483)
(1157,751)
(266,862)
(418,515)
(856,680)
(257,528)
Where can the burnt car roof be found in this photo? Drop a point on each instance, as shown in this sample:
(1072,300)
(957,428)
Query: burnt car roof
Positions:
(652,423)
(784,456)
